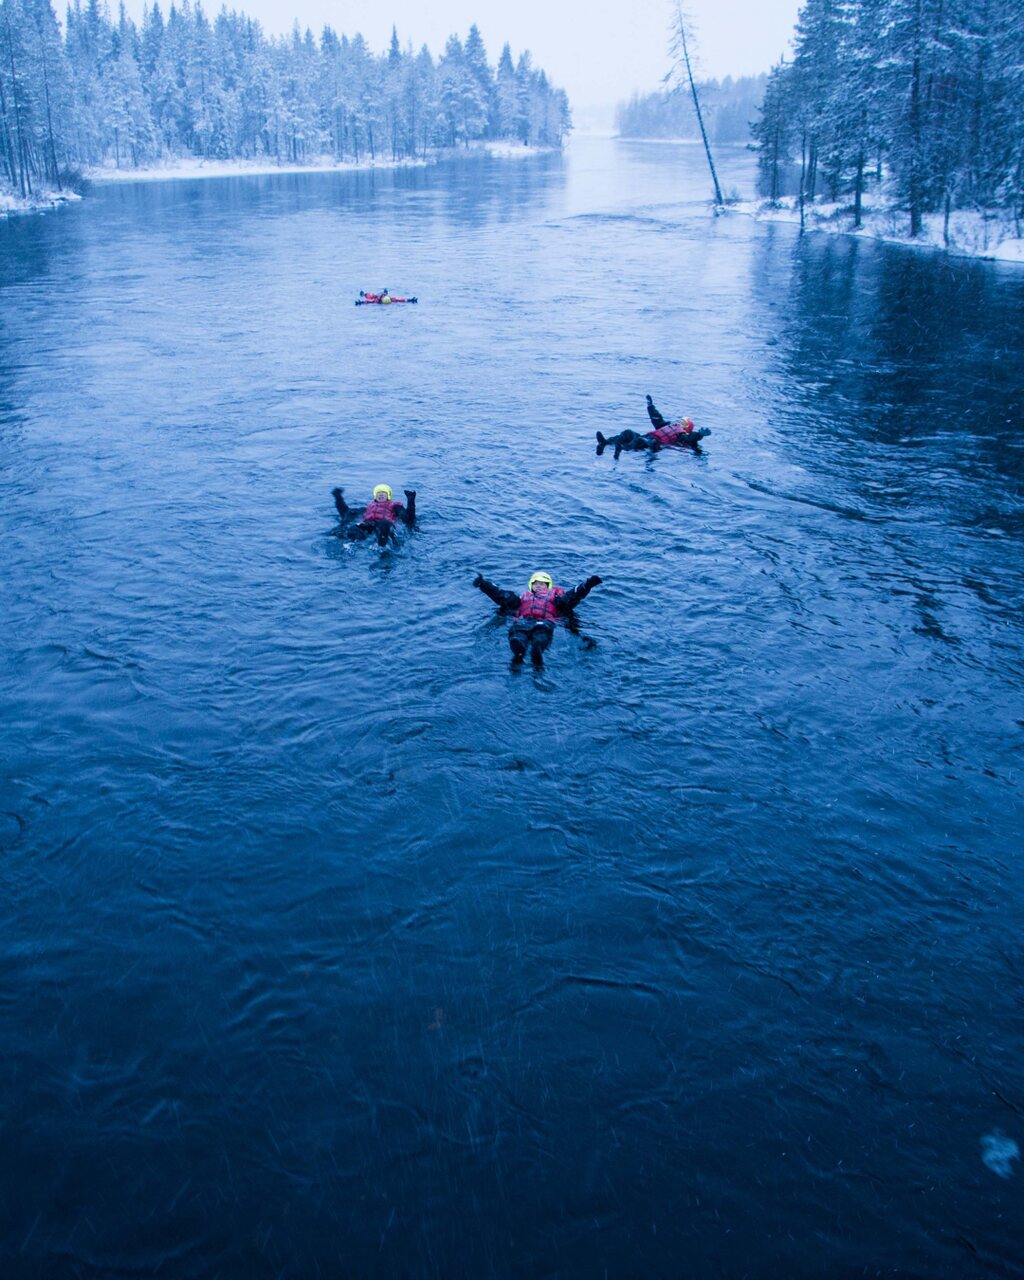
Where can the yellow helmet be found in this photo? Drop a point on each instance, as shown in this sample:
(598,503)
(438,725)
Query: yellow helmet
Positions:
(545,578)
(384,489)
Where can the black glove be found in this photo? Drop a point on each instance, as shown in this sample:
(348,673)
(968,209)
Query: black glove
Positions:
(649,400)
(593,581)
(478,581)
(337,493)
(410,494)
(414,299)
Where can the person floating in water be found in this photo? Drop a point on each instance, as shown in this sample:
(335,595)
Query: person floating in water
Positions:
(535,613)
(378,520)
(665,433)
(384,299)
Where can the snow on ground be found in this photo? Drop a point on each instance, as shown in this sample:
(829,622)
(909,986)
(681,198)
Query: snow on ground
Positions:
(1010,251)
(506,150)
(42,198)
(199,168)
(971,234)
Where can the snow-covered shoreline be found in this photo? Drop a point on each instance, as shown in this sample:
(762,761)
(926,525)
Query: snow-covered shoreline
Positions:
(971,234)
(199,168)
(39,202)
(190,169)
(176,170)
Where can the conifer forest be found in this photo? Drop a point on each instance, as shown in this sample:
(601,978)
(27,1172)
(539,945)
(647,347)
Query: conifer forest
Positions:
(103,92)
(922,99)
(729,106)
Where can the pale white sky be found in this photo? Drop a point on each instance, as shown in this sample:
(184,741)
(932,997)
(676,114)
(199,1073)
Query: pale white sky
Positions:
(599,51)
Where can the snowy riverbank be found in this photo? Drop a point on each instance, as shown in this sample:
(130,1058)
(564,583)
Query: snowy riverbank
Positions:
(193,167)
(38,202)
(198,168)
(970,234)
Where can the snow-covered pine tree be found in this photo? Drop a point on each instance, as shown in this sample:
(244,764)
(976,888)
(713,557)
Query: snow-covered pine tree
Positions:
(178,84)
(16,95)
(479,69)
(505,95)
(925,94)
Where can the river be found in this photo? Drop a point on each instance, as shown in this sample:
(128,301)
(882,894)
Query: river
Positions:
(333,947)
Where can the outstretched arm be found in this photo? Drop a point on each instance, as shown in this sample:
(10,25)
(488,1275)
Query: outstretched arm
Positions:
(656,419)
(568,602)
(344,510)
(409,514)
(503,599)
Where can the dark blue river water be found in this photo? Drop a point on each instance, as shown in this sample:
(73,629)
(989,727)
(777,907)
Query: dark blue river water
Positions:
(330,946)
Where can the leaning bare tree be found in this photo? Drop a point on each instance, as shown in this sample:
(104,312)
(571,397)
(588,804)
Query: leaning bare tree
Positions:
(680,50)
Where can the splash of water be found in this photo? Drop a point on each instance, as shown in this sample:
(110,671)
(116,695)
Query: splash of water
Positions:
(998,1153)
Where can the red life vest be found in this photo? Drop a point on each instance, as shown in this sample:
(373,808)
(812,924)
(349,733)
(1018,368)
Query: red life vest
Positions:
(372,297)
(670,434)
(382,509)
(539,605)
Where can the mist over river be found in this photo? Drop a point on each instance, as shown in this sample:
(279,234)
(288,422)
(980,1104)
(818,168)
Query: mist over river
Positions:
(332,947)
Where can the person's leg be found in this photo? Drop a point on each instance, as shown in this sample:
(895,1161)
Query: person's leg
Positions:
(518,636)
(622,441)
(629,440)
(656,419)
(340,505)
(540,638)
(379,529)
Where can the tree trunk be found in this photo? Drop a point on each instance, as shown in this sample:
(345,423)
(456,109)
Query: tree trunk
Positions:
(6,139)
(23,179)
(977,117)
(49,127)
(858,191)
(914,179)
(803,173)
(696,107)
